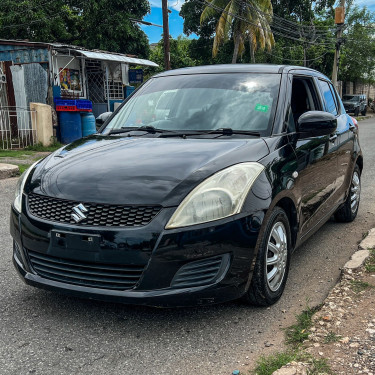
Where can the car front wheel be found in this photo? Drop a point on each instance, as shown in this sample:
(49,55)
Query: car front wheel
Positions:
(272,263)
(356,111)
(349,210)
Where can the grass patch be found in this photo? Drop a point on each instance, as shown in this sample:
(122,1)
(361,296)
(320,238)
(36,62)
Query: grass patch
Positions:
(370,263)
(19,154)
(267,365)
(40,148)
(331,337)
(364,235)
(359,286)
(23,167)
(30,150)
(297,333)
(319,366)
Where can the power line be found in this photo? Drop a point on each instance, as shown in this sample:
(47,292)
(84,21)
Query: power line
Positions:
(205,2)
(297,60)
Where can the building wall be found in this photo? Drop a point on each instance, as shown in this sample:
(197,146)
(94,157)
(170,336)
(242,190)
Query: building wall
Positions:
(360,88)
(23,54)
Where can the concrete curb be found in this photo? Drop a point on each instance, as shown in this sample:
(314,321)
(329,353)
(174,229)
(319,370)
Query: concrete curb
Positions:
(8,170)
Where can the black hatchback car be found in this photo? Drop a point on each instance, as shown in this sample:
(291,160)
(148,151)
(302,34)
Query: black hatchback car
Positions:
(195,191)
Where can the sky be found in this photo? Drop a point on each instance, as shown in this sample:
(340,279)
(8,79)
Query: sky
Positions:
(176,22)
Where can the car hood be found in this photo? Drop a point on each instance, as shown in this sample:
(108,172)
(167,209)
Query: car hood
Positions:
(138,170)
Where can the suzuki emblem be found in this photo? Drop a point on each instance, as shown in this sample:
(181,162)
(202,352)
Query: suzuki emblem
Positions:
(79,213)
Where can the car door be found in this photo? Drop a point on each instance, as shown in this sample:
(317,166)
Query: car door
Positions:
(316,158)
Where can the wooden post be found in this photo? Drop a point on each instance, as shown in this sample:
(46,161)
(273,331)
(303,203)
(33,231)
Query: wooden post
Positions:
(167,60)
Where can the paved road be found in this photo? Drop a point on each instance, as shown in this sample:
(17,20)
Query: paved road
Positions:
(45,333)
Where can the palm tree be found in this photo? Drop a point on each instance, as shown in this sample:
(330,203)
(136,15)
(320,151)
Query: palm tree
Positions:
(243,20)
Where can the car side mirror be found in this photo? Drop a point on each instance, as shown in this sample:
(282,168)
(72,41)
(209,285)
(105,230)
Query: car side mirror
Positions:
(316,123)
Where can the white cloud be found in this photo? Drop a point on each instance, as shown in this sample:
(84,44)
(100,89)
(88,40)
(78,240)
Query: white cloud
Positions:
(174,4)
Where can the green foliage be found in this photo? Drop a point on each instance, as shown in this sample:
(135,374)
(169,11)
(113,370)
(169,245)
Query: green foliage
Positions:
(100,24)
(252,25)
(370,263)
(180,54)
(19,154)
(40,148)
(331,337)
(359,286)
(317,13)
(299,332)
(267,365)
(23,167)
(356,61)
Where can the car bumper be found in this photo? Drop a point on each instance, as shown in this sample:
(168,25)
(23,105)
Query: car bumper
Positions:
(161,253)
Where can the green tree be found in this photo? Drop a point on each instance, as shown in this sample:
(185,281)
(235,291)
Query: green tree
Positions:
(252,24)
(357,63)
(101,24)
(180,54)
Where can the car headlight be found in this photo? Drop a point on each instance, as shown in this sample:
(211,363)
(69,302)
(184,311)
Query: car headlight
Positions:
(20,186)
(219,196)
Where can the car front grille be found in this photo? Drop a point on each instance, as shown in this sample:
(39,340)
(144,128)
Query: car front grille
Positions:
(61,210)
(201,272)
(97,275)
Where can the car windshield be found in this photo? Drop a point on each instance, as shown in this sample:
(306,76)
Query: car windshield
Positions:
(202,102)
(351,98)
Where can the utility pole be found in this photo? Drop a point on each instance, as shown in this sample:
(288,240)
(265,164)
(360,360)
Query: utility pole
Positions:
(339,21)
(167,60)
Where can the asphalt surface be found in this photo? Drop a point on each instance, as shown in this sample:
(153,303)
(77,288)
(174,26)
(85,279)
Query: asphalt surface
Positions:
(46,333)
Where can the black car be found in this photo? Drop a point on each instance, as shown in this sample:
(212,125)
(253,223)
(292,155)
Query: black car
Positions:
(355,104)
(196,190)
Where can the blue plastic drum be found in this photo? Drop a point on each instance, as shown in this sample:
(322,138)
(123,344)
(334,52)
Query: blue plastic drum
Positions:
(88,123)
(70,126)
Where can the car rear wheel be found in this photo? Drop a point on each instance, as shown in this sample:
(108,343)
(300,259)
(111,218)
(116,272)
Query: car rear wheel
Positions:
(272,263)
(363,113)
(356,111)
(349,210)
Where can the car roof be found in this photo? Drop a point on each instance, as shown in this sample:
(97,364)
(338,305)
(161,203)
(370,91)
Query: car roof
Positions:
(237,68)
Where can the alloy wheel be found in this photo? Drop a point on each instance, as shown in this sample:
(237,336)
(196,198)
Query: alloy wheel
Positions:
(277,256)
(355,192)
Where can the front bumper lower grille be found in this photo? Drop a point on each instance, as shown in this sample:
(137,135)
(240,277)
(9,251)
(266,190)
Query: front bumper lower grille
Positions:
(60,210)
(201,272)
(97,275)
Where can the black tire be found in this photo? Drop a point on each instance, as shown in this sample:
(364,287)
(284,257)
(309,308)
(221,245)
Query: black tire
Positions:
(363,113)
(347,213)
(261,292)
(356,111)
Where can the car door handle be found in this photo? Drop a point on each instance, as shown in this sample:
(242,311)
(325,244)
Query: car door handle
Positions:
(332,138)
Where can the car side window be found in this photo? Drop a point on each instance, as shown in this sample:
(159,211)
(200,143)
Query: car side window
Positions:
(304,98)
(331,105)
(340,105)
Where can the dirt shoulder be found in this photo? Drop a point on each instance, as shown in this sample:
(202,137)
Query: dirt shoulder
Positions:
(342,331)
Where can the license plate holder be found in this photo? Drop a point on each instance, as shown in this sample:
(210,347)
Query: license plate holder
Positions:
(75,241)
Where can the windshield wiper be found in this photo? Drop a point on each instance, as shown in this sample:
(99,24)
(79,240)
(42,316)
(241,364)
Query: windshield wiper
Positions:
(230,131)
(152,130)
(145,128)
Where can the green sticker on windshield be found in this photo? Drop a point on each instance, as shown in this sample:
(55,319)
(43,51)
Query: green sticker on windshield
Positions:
(261,108)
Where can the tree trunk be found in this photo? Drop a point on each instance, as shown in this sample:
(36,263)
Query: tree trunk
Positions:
(236,47)
(252,54)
